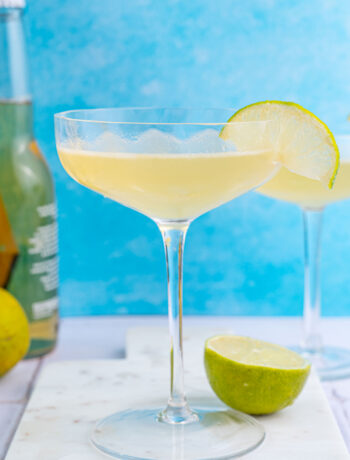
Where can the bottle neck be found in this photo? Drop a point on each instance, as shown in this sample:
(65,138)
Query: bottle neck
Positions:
(13,75)
(16,124)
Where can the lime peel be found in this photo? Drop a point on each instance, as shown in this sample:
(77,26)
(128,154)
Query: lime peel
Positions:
(305,144)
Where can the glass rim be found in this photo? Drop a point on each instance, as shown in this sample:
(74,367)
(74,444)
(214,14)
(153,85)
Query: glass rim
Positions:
(65,116)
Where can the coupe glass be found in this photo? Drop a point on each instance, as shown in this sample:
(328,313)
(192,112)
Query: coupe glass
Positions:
(331,362)
(171,165)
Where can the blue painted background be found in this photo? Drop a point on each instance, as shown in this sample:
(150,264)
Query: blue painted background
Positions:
(245,257)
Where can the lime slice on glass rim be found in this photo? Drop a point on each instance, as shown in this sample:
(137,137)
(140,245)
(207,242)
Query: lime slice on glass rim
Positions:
(254,376)
(302,142)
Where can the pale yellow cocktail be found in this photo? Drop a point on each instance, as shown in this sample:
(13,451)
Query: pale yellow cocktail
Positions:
(169,186)
(309,193)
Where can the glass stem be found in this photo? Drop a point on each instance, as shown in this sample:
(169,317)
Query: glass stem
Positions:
(177,410)
(312,341)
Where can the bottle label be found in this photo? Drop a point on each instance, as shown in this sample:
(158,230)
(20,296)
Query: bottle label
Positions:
(45,308)
(44,244)
(29,263)
(43,248)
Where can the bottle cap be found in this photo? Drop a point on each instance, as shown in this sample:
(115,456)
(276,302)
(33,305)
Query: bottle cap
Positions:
(12,3)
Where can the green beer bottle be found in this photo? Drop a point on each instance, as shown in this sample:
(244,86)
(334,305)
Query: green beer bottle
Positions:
(28,227)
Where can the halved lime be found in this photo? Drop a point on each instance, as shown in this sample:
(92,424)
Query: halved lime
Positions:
(254,376)
(303,143)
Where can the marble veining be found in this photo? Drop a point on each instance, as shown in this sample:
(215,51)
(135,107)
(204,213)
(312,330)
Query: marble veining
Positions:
(71,396)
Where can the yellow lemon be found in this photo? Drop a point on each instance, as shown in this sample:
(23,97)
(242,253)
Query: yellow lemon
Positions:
(14,332)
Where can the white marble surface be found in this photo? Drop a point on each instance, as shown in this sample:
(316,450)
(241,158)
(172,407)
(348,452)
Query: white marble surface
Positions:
(70,396)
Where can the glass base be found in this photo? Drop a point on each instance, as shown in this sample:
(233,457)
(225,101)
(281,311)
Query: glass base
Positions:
(218,434)
(331,363)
